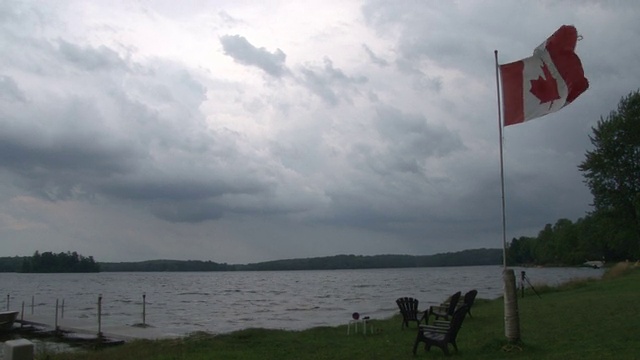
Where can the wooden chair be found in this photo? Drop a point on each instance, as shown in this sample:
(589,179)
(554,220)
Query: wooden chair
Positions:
(409,310)
(469,298)
(441,336)
(446,309)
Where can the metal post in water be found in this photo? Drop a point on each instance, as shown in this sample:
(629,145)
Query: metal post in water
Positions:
(32,303)
(522,277)
(62,316)
(22,315)
(100,315)
(7,302)
(144,309)
(56,325)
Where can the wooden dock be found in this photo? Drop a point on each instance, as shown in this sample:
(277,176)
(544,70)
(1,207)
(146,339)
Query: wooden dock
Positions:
(87,329)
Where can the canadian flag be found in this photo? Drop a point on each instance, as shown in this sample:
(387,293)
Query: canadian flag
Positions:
(545,82)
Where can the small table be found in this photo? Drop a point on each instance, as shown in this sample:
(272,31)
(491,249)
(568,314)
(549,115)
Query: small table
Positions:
(364,321)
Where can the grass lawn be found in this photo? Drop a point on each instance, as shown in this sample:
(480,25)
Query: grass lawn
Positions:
(594,319)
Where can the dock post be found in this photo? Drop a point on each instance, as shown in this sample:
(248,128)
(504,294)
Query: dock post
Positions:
(100,316)
(22,315)
(32,303)
(7,302)
(56,324)
(522,277)
(62,315)
(144,309)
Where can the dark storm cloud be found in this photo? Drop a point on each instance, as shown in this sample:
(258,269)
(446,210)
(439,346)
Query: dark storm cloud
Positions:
(154,188)
(44,158)
(411,136)
(56,148)
(58,170)
(398,169)
(164,190)
(243,52)
(69,165)
(121,133)
(329,83)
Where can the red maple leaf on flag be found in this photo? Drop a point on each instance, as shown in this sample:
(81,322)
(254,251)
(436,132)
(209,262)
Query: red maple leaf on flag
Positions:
(545,89)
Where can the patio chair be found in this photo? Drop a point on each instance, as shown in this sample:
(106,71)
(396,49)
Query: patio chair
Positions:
(441,336)
(469,298)
(446,309)
(409,310)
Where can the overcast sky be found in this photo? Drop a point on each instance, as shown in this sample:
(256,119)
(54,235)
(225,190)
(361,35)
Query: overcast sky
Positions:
(245,131)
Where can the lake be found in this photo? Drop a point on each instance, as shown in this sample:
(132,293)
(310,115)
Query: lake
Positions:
(218,302)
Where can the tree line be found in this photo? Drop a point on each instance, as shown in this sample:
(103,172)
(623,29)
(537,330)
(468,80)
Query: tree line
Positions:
(48,262)
(461,258)
(164,265)
(593,237)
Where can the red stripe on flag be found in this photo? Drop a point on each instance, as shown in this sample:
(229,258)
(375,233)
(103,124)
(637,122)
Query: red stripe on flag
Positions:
(561,47)
(512,92)
(570,68)
(564,39)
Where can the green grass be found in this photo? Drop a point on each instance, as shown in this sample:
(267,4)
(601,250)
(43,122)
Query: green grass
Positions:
(596,319)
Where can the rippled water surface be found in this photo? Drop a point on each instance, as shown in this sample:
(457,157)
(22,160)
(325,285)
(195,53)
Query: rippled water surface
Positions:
(180,303)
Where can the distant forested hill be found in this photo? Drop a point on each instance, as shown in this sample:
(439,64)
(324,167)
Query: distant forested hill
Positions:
(165,265)
(462,258)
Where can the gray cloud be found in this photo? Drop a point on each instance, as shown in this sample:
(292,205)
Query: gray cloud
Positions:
(89,58)
(187,212)
(414,136)
(449,37)
(9,90)
(61,164)
(420,80)
(124,143)
(243,52)
(55,164)
(374,58)
(329,83)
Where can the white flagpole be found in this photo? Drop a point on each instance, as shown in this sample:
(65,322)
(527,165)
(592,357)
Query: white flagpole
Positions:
(504,218)
(511,316)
